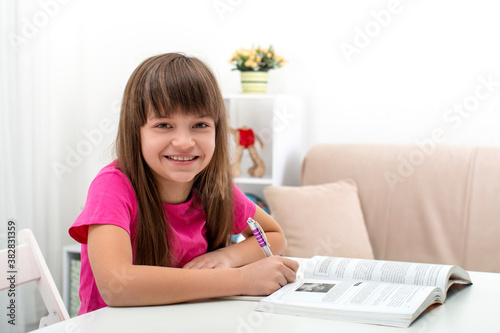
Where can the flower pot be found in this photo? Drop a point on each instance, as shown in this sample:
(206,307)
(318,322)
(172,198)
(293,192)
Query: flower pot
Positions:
(254,82)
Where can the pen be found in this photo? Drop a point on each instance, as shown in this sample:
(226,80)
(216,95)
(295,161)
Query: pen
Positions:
(260,236)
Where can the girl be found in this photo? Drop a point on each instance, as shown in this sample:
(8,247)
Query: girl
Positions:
(158,220)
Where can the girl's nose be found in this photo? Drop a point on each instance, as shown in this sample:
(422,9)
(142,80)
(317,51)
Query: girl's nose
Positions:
(183,139)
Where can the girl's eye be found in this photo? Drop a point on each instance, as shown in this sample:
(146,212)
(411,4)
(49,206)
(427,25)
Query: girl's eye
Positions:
(163,125)
(201,125)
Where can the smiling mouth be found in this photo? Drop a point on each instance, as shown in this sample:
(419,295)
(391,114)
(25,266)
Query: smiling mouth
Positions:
(182,158)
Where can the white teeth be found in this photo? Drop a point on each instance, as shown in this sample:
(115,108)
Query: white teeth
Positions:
(178,158)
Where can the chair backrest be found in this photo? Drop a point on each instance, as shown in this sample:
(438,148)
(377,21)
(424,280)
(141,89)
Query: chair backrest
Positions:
(24,263)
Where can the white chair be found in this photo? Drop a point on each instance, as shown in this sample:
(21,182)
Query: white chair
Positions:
(29,265)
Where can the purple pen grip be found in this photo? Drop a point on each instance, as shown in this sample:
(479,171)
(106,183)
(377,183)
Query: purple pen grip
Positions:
(259,238)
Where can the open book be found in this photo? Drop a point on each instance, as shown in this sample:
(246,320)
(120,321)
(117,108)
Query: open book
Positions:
(369,291)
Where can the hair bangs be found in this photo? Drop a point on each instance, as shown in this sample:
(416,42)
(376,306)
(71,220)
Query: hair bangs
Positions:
(182,85)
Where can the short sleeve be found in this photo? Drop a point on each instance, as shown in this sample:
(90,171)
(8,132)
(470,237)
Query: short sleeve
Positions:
(243,209)
(110,200)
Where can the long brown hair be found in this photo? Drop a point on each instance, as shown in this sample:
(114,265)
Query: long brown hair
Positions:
(164,84)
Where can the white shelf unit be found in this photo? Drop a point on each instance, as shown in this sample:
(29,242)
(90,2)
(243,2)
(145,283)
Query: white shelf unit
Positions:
(70,252)
(277,120)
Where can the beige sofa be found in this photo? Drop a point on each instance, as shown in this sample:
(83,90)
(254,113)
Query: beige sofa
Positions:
(436,204)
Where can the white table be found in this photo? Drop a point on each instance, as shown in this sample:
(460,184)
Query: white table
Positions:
(474,308)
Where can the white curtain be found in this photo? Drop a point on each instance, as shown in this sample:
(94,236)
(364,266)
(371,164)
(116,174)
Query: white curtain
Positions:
(10,188)
(29,194)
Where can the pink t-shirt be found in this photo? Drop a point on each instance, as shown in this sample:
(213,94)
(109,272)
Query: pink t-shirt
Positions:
(111,200)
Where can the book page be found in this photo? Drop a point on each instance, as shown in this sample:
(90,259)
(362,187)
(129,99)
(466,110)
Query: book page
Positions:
(352,299)
(378,270)
(358,294)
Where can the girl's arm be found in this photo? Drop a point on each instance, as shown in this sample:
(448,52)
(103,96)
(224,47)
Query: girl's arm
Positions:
(121,283)
(247,251)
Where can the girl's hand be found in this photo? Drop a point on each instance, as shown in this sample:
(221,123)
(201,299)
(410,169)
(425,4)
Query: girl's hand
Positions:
(265,276)
(209,260)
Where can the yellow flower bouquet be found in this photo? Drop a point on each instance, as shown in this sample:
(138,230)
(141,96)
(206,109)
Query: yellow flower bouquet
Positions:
(256,59)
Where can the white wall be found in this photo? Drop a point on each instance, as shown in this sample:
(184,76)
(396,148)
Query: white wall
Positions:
(397,88)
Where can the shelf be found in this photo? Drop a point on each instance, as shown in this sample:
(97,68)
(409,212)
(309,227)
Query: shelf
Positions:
(70,252)
(276,122)
(251,180)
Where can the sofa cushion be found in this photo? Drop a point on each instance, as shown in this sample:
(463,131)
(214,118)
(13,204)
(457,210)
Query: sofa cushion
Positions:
(421,203)
(321,219)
